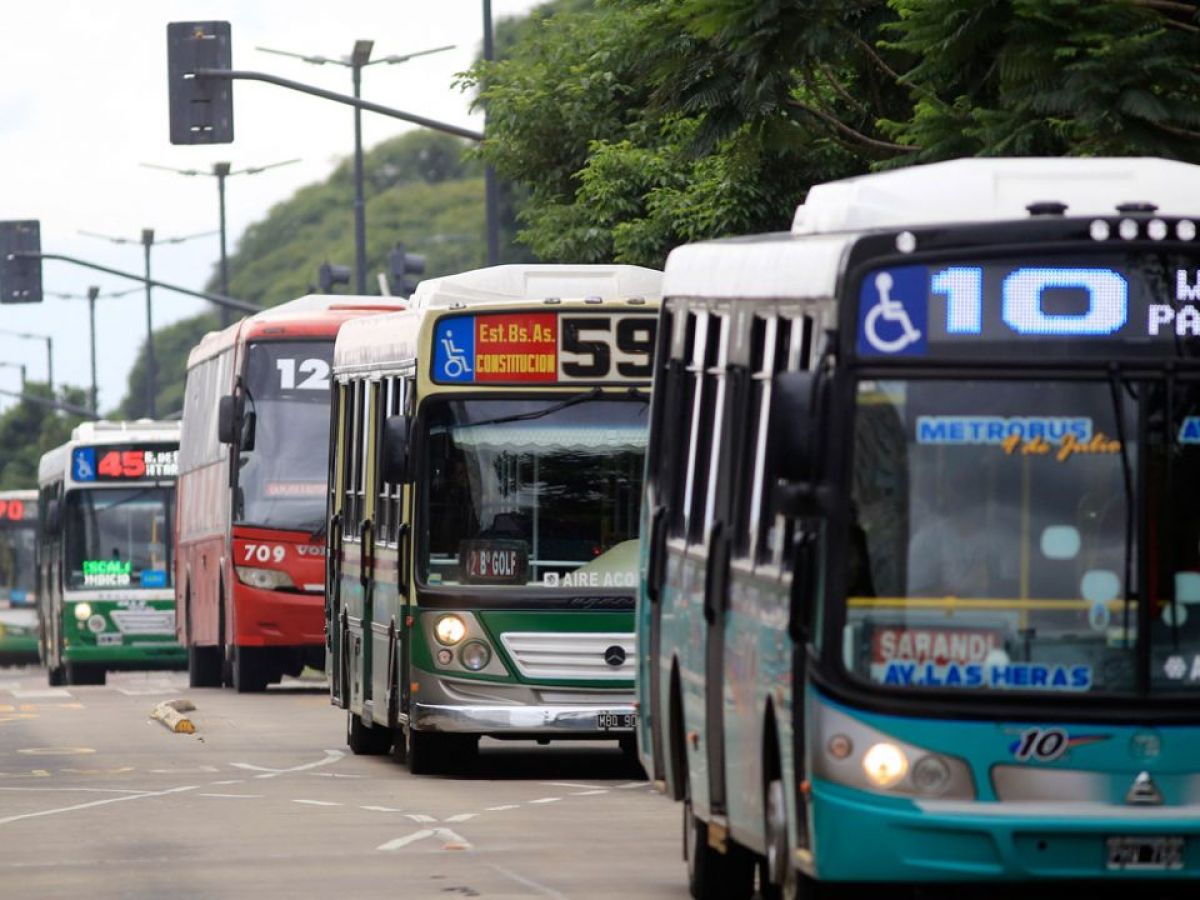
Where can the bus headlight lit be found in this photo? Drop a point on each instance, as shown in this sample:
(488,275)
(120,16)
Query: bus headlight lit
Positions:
(475,655)
(264,579)
(885,764)
(449,630)
(82,611)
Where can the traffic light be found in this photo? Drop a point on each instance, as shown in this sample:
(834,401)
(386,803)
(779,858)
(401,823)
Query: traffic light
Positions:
(400,266)
(329,275)
(20,276)
(201,108)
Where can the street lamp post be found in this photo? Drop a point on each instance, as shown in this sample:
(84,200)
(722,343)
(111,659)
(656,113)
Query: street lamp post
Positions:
(21,366)
(221,171)
(358,59)
(147,241)
(92,295)
(49,351)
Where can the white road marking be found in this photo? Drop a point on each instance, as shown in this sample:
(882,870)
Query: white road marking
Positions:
(408,839)
(43,694)
(186,770)
(146,692)
(380,809)
(62,809)
(331,756)
(461,817)
(232,796)
(10,685)
(230,781)
(317,802)
(334,775)
(589,793)
(502,808)
(85,789)
(420,817)
(569,784)
(546,800)
(520,879)
(631,785)
(56,751)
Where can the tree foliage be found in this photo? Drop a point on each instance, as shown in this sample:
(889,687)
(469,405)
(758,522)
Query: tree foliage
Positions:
(30,428)
(635,125)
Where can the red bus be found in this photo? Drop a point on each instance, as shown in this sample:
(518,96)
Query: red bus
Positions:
(250,509)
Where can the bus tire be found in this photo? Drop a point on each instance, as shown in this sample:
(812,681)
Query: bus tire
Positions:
(81,674)
(249,673)
(713,875)
(780,880)
(366,740)
(204,666)
(56,676)
(435,753)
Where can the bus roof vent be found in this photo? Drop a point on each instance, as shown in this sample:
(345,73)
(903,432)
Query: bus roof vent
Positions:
(1146,208)
(1047,208)
(995,189)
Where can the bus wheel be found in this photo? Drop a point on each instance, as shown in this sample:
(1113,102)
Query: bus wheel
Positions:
(249,673)
(433,753)
(713,875)
(56,676)
(204,666)
(780,880)
(77,674)
(365,740)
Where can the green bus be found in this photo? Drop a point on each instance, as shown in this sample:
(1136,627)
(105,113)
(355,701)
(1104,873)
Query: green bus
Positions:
(487,457)
(105,515)
(18,600)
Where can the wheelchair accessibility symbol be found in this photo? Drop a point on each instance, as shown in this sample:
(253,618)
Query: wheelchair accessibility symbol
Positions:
(892,322)
(454,350)
(454,363)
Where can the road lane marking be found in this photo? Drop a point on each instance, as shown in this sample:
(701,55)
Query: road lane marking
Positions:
(546,800)
(502,808)
(146,692)
(569,784)
(461,817)
(589,793)
(420,817)
(120,770)
(230,781)
(43,694)
(331,756)
(520,879)
(380,809)
(334,775)
(317,802)
(453,840)
(632,785)
(186,770)
(56,751)
(233,796)
(93,790)
(63,809)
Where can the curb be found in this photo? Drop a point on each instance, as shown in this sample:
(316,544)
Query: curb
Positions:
(170,713)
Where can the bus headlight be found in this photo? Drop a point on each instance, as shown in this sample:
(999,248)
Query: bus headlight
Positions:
(449,630)
(82,611)
(931,775)
(96,624)
(475,655)
(264,579)
(885,764)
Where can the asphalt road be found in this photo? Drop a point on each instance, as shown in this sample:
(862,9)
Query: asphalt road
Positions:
(265,800)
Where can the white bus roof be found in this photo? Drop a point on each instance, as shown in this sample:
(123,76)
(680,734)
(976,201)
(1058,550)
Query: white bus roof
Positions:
(499,284)
(53,464)
(806,262)
(390,339)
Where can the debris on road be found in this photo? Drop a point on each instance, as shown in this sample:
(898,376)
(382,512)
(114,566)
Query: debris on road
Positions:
(171,714)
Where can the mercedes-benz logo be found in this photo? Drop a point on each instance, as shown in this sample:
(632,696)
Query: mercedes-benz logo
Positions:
(615,655)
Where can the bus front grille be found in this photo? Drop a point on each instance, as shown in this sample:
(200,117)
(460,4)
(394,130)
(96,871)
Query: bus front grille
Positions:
(573,656)
(144,621)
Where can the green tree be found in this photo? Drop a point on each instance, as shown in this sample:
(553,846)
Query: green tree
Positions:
(30,428)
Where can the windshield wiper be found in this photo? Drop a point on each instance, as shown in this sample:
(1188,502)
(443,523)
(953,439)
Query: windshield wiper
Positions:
(537,414)
(1116,385)
(319,531)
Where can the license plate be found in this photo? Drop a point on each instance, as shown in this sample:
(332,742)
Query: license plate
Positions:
(613,721)
(109,640)
(1146,853)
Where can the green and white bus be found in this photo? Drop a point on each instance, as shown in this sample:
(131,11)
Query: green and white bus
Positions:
(105,515)
(487,455)
(921,584)
(18,599)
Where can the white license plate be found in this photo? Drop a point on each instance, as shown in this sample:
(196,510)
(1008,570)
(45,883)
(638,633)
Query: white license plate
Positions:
(615,721)
(1145,853)
(109,640)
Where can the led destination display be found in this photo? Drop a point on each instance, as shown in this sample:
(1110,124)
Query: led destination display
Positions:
(1079,306)
(125,462)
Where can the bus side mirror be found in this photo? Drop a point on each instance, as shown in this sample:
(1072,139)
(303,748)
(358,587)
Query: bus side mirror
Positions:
(227,419)
(53,516)
(793,449)
(394,464)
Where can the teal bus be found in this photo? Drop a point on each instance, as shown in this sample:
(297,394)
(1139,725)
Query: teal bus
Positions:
(486,463)
(18,600)
(920,596)
(104,551)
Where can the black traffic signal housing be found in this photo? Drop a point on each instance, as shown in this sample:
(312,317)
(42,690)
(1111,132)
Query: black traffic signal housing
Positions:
(20,275)
(201,108)
(400,266)
(330,275)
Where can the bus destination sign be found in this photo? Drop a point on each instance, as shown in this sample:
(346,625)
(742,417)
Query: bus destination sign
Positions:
(543,348)
(125,462)
(1072,306)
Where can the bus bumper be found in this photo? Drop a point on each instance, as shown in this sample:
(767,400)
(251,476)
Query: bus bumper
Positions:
(18,650)
(167,655)
(278,618)
(861,837)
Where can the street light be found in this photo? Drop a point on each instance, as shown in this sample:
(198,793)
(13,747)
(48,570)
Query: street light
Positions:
(91,296)
(147,241)
(221,171)
(49,352)
(358,59)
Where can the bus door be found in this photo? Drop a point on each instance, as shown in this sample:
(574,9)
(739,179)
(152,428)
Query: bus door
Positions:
(335,630)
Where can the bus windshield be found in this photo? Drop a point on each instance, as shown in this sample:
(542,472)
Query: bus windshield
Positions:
(533,492)
(281,481)
(118,538)
(16,562)
(995,535)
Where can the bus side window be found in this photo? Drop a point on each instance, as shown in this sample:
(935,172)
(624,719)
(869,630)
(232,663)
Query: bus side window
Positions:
(353,425)
(745,515)
(716,385)
(363,449)
(699,436)
(681,419)
(336,418)
(387,495)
